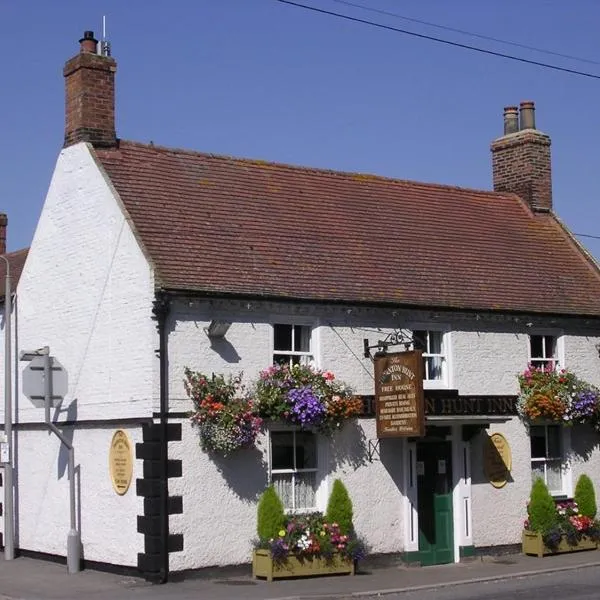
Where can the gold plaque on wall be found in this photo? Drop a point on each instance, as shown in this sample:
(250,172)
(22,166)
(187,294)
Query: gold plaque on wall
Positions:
(120,462)
(497,459)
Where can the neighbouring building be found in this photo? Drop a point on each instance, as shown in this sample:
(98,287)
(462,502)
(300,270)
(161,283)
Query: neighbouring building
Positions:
(140,248)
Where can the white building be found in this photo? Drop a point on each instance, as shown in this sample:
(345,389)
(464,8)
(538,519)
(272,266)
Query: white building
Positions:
(139,248)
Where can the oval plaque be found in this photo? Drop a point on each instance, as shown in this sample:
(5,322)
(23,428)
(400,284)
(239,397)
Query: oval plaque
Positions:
(120,462)
(497,459)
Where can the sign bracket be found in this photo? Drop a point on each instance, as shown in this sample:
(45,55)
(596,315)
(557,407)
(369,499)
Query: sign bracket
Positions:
(373,451)
(398,337)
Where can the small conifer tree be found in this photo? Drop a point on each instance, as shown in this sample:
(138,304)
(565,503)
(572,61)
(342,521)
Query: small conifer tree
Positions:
(585,496)
(541,509)
(270,515)
(339,508)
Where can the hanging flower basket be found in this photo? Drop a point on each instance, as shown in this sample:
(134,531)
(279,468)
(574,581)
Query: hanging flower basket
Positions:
(224,417)
(557,396)
(305,397)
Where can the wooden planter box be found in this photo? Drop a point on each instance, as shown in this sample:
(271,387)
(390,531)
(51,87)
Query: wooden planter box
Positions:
(263,566)
(534,545)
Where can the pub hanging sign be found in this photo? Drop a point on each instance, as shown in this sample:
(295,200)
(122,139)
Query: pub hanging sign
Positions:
(399,394)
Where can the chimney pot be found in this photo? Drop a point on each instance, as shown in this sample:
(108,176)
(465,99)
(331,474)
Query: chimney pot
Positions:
(527,114)
(511,119)
(89,44)
(521,163)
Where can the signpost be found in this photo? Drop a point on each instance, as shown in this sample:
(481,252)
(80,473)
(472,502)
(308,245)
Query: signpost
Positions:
(34,381)
(399,394)
(44,381)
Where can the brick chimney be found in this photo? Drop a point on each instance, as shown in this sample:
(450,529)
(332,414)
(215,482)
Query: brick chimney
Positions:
(521,158)
(90,96)
(3,224)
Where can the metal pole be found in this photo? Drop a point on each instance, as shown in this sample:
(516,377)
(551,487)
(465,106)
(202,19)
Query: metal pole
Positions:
(73,537)
(9,535)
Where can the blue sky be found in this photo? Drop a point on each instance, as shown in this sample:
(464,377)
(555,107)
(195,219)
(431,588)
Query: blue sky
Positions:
(260,79)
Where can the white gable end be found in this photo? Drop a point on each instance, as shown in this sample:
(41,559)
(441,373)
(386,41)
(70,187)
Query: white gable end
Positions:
(86,291)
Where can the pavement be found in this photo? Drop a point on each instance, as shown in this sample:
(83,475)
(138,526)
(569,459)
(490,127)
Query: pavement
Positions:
(34,579)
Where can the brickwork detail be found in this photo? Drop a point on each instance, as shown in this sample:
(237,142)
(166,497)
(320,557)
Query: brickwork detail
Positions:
(151,561)
(90,100)
(521,164)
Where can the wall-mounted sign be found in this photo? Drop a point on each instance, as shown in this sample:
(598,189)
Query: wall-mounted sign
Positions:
(120,462)
(497,459)
(399,394)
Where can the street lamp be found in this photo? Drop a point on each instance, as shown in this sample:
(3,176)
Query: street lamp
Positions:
(9,546)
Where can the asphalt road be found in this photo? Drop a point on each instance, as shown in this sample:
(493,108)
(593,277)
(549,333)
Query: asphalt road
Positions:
(581,584)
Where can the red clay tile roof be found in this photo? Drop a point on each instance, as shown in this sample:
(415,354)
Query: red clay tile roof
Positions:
(218,224)
(16,261)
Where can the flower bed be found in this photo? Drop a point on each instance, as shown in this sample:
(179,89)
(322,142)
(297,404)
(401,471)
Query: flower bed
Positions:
(566,531)
(307,545)
(557,396)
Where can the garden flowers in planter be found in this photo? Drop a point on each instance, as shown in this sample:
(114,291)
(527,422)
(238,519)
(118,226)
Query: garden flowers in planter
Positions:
(304,396)
(557,396)
(563,526)
(308,544)
(225,418)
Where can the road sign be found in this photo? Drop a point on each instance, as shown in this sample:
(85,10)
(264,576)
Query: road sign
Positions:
(34,380)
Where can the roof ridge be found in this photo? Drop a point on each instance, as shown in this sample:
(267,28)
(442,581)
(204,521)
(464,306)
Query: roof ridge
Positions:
(316,170)
(16,252)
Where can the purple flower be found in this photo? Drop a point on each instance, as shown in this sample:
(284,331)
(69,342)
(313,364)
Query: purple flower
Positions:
(585,404)
(307,409)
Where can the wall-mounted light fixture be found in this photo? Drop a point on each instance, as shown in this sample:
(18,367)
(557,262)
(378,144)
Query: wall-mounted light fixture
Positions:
(217,328)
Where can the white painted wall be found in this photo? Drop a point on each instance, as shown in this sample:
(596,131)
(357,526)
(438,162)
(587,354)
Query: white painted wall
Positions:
(86,291)
(486,359)
(108,521)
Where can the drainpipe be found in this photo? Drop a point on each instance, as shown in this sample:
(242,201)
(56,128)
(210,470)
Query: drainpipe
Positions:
(161,313)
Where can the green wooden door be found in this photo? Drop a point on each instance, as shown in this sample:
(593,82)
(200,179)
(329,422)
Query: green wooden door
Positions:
(436,529)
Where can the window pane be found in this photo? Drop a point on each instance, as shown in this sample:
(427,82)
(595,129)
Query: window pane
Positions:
(284,486)
(281,359)
(554,475)
(435,342)
(537,471)
(434,367)
(537,435)
(550,346)
(537,346)
(554,445)
(301,338)
(420,340)
(306,450)
(305,490)
(282,450)
(282,337)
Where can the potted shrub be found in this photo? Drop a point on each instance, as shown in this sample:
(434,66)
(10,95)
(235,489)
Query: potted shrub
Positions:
(305,545)
(585,497)
(557,527)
